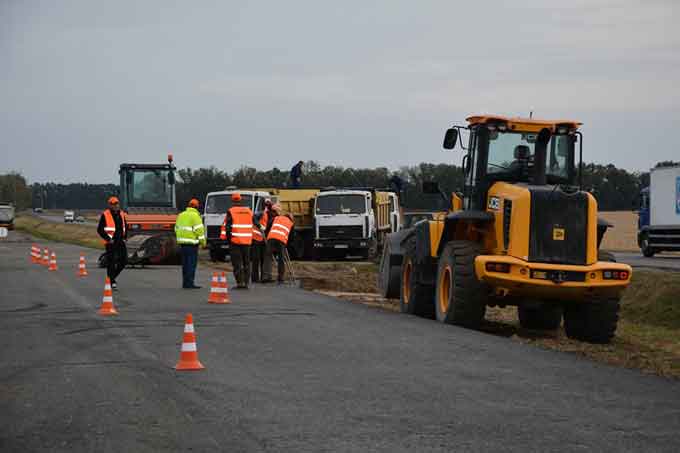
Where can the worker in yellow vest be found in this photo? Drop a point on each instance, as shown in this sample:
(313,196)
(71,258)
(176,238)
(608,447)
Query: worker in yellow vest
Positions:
(112,229)
(190,234)
(239,228)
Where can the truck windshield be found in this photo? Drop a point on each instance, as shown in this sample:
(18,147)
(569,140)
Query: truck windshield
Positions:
(341,204)
(150,188)
(511,157)
(6,214)
(220,204)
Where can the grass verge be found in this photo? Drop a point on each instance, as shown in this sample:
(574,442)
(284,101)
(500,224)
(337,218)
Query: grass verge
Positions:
(85,235)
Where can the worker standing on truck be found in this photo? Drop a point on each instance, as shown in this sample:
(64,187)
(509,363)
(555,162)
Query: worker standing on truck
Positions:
(190,234)
(239,226)
(257,249)
(113,231)
(296,174)
(277,240)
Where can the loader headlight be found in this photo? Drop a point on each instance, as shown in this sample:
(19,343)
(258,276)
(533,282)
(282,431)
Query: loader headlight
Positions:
(498,267)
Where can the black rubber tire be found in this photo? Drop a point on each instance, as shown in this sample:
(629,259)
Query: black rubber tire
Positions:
(646,250)
(593,322)
(605,256)
(388,275)
(544,317)
(460,297)
(415,298)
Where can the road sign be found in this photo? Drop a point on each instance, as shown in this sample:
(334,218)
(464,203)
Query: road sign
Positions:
(3,232)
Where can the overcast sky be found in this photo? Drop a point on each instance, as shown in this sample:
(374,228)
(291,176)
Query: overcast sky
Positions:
(86,85)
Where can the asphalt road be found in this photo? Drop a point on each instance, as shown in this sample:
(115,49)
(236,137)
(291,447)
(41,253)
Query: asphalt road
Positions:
(661,261)
(288,370)
(59,218)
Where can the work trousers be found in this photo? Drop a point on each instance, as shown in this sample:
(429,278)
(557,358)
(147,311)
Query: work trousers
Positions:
(240,260)
(257,260)
(116,259)
(274,250)
(189,262)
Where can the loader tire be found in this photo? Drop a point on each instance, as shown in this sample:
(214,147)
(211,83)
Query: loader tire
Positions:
(388,277)
(460,297)
(415,297)
(545,317)
(593,322)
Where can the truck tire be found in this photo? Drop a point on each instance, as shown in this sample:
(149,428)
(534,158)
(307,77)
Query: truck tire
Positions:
(645,248)
(460,297)
(415,298)
(388,275)
(593,322)
(545,317)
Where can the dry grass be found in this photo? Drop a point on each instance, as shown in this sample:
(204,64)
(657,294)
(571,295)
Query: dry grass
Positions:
(623,237)
(85,235)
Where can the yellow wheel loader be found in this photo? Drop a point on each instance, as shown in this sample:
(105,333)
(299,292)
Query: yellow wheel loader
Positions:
(523,232)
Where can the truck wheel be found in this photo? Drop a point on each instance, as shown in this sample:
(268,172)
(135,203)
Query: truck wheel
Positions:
(594,321)
(460,296)
(545,317)
(415,298)
(388,276)
(645,247)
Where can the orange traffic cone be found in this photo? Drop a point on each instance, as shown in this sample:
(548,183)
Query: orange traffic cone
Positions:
(46,257)
(188,356)
(53,263)
(82,271)
(214,297)
(35,254)
(107,307)
(224,289)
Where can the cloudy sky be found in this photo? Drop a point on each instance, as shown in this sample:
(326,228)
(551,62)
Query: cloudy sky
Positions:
(85,85)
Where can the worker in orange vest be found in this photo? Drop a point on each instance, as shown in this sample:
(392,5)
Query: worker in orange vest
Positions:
(239,229)
(257,249)
(277,240)
(113,231)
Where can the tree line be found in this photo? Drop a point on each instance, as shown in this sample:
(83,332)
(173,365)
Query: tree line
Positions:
(615,188)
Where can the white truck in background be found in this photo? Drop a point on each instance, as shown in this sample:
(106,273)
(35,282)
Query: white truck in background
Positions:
(215,208)
(353,222)
(69,216)
(659,215)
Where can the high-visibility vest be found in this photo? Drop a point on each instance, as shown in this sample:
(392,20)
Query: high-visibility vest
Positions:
(189,229)
(258,235)
(280,229)
(110,227)
(241,225)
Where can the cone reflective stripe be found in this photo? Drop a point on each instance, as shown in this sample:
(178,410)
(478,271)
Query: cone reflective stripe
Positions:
(35,254)
(53,263)
(224,290)
(188,356)
(82,270)
(214,285)
(46,257)
(107,308)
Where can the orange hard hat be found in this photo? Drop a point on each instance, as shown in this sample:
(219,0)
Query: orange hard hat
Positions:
(113,200)
(235,196)
(194,203)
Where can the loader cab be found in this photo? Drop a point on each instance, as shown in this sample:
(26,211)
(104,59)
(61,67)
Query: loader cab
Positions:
(516,151)
(148,186)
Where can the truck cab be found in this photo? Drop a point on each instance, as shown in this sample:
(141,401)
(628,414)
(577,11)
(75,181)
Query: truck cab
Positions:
(7,216)
(659,214)
(215,209)
(354,221)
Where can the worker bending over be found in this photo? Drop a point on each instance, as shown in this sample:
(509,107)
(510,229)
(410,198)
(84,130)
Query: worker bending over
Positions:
(239,226)
(277,240)
(190,234)
(113,231)
(257,249)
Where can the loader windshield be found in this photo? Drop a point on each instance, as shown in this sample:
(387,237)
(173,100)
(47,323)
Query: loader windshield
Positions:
(511,157)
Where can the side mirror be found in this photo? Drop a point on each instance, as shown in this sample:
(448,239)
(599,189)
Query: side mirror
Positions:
(451,138)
